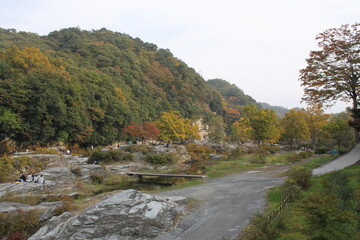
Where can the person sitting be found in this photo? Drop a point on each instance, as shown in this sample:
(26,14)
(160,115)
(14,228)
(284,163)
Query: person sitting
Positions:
(36,178)
(41,179)
(22,177)
(30,178)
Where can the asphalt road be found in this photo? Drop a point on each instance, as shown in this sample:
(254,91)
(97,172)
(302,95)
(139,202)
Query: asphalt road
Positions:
(226,204)
(344,161)
(224,208)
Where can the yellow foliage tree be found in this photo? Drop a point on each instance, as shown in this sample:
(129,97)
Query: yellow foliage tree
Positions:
(240,130)
(32,59)
(316,119)
(175,128)
(295,127)
(263,124)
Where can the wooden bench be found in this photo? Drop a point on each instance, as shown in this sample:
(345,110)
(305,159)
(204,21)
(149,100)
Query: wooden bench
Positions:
(140,175)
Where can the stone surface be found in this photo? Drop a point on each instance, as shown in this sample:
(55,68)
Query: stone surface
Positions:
(88,170)
(52,228)
(57,176)
(127,215)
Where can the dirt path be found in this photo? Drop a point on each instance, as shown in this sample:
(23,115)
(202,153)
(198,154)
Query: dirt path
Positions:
(226,204)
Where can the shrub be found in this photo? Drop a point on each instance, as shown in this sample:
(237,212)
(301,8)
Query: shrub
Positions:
(96,178)
(76,172)
(338,183)
(290,189)
(199,152)
(47,151)
(237,152)
(300,177)
(327,221)
(299,156)
(99,156)
(321,150)
(109,156)
(161,158)
(144,149)
(19,224)
(66,206)
(260,155)
(261,229)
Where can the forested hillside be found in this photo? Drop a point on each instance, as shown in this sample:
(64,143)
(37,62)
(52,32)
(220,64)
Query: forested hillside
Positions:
(235,97)
(232,94)
(83,87)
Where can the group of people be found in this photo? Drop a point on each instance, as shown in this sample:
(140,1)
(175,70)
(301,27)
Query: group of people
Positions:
(31,178)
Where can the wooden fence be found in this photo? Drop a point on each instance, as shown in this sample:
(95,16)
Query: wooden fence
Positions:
(279,209)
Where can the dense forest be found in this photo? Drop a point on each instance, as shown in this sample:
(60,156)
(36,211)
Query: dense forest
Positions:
(83,87)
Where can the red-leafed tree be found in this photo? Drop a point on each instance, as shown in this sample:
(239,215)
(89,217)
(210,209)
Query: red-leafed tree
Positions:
(146,130)
(333,72)
(150,130)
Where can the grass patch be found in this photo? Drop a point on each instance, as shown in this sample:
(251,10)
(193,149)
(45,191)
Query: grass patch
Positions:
(319,160)
(337,212)
(226,167)
(180,185)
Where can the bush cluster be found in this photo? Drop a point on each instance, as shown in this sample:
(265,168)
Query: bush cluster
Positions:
(261,229)
(144,149)
(300,156)
(298,179)
(199,152)
(109,156)
(160,158)
(19,225)
(96,178)
(237,152)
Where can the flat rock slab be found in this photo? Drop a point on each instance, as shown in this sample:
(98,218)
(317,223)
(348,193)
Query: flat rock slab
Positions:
(127,215)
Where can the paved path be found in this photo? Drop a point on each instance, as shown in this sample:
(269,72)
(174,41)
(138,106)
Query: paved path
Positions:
(225,207)
(226,204)
(342,162)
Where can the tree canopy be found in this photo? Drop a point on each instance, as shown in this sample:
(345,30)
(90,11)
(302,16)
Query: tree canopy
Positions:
(333,72)
(84,87)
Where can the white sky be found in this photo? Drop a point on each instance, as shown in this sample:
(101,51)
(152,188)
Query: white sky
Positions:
(258,45)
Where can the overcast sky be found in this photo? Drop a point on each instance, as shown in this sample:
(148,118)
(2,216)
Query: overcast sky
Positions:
(258,45)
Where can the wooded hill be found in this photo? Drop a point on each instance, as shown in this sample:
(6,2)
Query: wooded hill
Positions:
(82,87)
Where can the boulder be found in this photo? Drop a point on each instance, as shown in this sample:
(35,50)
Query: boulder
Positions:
(126,215)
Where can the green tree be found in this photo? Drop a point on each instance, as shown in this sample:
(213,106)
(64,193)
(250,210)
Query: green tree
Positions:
(240,131)
(10,123)
(264,124)
(333,72)
(295,127)
(316,119)
(216,129)
(338,129)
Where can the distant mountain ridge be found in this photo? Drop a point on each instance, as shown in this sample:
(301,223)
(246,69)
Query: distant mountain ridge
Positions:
(234,96)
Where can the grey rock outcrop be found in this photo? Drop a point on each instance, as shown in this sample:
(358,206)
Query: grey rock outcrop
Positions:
(89,170)
(128,215)
(57,176)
